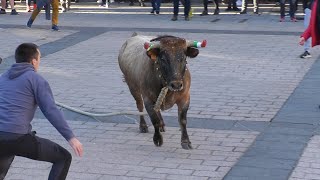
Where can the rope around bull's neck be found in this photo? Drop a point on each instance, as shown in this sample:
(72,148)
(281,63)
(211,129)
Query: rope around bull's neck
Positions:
(161,98)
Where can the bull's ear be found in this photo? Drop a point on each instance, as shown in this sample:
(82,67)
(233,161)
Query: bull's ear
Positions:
(153,53)
(192,52)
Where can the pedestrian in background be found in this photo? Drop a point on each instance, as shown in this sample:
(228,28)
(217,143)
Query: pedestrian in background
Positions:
(245,6)
(205,8)
(4,5)
(55,13)
(292,10)
(232,3)
(307,44)
(155,7)
(313,30)
(187,7)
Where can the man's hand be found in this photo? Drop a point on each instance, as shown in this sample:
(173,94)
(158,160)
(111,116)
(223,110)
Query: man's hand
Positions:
(76,146)
(302,41)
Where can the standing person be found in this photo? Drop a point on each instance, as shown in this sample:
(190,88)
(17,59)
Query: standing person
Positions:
(55,13)
(205,8)
(232,3)
(22,89)
(187,6)
(140,2)
(292,10)
(28,4)
(104,3)
(65,4)
(244,7)
(313,30)
(155,6)
(4,5)
(307,44)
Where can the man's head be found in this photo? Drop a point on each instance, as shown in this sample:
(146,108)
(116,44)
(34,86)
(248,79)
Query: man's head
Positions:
(28,53)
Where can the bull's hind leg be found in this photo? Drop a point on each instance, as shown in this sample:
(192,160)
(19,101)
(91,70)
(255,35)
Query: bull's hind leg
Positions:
(139,102)
(182,114)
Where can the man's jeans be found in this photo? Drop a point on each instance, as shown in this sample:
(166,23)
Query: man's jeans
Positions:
(307,44)
(33,147)
(292,10)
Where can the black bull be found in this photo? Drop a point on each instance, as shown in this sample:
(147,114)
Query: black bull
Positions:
(162,65)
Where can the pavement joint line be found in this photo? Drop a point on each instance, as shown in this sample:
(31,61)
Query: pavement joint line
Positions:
(108,29)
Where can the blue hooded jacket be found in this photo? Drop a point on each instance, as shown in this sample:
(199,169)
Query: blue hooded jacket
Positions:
(21,91)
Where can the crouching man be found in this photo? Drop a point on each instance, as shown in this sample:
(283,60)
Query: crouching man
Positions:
(22,90)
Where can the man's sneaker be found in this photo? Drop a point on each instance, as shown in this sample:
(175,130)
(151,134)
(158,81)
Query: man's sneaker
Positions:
(29,23)
(142,4)
(256,12)
(55,28)
(152,12)
(243,12)
(3,11)
(204,13)
(191,12)
(236,9)
(216,12)
(229,9)
(293,19)
(187,18)
(281,19)
(305,55)
(14,12)
(174,18)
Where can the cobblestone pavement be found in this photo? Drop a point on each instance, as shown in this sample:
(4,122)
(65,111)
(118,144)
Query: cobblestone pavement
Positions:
(254,103)
(309,164)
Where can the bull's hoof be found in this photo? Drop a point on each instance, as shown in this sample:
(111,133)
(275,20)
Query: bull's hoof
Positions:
(157,139)
(186,145)
(162,129)
(144,129)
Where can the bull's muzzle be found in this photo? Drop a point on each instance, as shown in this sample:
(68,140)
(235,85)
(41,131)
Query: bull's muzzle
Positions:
(176,85)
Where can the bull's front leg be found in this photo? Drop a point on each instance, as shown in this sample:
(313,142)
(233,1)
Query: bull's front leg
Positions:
(182,114)
(157,137)
(162,125)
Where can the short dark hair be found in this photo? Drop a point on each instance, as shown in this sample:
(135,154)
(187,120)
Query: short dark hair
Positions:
(26,52)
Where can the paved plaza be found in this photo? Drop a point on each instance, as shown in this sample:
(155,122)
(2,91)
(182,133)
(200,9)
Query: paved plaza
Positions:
(254,103)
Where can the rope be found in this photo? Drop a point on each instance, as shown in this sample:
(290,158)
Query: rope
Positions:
(160,99)
(99,115)
(157,107)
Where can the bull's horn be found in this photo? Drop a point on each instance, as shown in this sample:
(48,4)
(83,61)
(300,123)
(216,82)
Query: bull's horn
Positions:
(197,44)
(149,46)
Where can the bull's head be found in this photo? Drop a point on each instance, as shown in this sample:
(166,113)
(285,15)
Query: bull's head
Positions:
(170,54)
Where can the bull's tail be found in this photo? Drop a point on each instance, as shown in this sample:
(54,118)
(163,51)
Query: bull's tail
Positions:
(134,34)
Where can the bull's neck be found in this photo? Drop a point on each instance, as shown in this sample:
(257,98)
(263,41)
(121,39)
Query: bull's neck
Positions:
(158,73)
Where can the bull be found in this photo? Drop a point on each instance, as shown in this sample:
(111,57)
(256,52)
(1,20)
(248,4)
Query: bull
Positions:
(158,65)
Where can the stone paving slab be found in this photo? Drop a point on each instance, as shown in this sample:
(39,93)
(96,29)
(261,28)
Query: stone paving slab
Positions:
(308,166)
(15,36)
(119,151)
